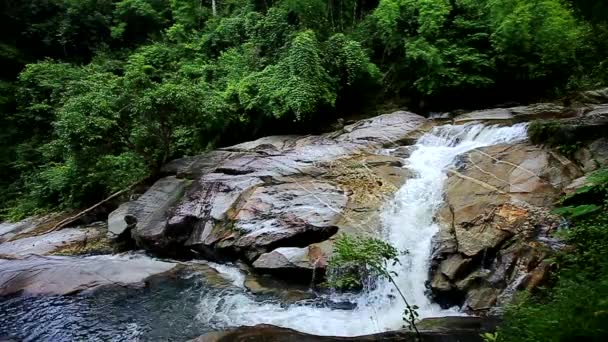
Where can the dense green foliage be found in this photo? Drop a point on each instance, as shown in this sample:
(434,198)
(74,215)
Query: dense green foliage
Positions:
(98,94)
(576,308)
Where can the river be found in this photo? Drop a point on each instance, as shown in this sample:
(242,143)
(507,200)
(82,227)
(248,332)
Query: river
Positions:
(181,309)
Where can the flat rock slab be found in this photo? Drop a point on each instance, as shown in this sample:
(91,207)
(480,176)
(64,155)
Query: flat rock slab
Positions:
(28,226)
(518,114)
(307,258)
(386,130)
(54,275)
(48,243)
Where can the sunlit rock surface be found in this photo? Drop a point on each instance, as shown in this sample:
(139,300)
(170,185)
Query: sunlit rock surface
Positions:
(48,275)
(495,218)
(275,192)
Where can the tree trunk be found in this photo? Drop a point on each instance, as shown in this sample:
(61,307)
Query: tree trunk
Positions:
(214,8)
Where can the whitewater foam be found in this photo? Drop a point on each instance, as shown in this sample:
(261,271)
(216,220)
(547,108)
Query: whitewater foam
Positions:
(409,225)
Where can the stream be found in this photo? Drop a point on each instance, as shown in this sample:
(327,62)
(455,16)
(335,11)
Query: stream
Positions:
(175,310)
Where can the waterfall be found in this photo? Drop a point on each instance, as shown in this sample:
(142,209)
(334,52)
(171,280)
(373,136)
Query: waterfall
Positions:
(409,225)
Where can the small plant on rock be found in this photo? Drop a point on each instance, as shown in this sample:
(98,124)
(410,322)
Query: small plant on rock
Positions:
(356,259)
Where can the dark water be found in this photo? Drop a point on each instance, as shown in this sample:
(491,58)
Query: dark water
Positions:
(166,310)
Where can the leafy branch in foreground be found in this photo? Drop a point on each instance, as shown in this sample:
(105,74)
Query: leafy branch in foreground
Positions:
(588,199)
(574,307)
(356,259)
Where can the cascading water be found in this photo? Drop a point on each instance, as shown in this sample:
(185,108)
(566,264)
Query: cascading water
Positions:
(164,310)
(409,225)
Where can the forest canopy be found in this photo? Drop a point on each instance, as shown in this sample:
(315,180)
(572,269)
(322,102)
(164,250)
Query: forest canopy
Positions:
(98,94)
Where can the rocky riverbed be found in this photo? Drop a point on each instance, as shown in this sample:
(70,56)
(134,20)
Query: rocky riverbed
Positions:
(273,207)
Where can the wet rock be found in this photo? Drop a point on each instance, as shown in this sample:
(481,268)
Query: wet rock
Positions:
(298,213)
(10,229)
(442,329)
(498,114)
(488,231)
(211,277)
(542,111)
(195,166)
(272,288)
(473,278)
(576,184)
(120,222)
(50,275)
(403,152)
(536,277)
(497,174)
(576,132)
(275,192)
(52,242)
(277,142)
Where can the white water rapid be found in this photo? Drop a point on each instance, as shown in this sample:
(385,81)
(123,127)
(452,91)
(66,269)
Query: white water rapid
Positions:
(409,225)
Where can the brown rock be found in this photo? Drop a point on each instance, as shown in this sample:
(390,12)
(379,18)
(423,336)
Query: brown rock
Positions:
(454,265)
(440,283)
(481,299)
(493,213)
(537,277)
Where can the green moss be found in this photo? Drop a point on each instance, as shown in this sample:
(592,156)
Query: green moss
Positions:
(93,247)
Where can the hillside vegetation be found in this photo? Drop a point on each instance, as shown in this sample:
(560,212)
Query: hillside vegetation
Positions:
(98,94)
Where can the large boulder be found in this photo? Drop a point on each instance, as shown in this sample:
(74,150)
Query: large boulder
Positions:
(494,222)
(57,275)
(145,217)
(442,329)
(273,196)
